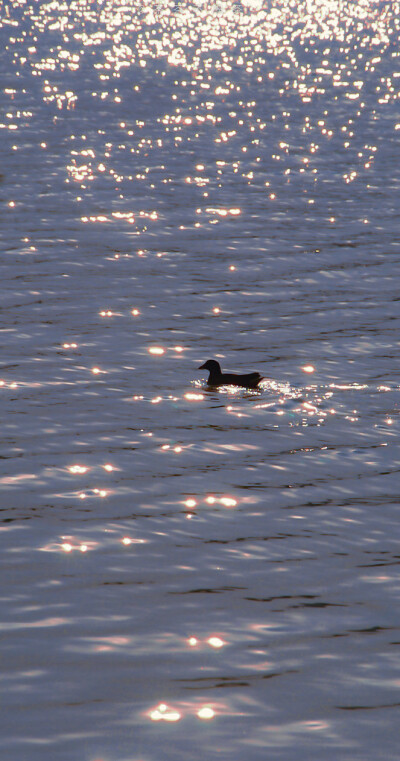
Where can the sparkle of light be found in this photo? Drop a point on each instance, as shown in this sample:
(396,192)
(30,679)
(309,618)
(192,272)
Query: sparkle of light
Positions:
(206,713)
(216,642)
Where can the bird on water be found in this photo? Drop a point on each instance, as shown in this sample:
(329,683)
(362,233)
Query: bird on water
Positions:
(218,378)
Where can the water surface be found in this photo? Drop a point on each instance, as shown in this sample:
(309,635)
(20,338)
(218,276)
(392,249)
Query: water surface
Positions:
(189,571)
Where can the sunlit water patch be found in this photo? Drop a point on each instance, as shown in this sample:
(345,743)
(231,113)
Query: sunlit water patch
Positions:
(186,567)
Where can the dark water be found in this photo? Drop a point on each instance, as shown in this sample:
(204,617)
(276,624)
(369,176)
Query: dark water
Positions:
(189,572)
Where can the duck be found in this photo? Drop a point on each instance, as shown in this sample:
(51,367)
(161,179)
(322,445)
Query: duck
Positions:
(218,378)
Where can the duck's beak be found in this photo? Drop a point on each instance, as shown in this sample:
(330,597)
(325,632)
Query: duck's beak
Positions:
(202,367)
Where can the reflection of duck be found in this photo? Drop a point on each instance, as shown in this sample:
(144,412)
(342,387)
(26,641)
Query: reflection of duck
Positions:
(218,378)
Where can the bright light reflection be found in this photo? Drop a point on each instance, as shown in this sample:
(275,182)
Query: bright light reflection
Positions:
(206,713)
(308,369)
(216,642)
(156,350)
(128,541)
(164,713)
(228,501)
(78,469)
(190,503)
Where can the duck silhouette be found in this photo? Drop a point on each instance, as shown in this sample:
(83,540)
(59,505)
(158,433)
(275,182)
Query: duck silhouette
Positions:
(218,378)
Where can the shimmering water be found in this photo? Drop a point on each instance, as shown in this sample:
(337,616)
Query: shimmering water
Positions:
(186,572)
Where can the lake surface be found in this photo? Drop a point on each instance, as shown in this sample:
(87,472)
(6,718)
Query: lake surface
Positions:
(189,572)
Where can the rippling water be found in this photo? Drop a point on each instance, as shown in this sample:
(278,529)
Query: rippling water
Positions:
(189,572)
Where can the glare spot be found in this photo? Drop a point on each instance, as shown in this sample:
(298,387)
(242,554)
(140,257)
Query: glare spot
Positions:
(135,312)
(190,503)
(108,467)
(192,641)
(156,350)
(66,547)
(216,642)
(308,369)
(126,540)
(162,712)
(78,469)
(206,713)
(96,370)
(228,502)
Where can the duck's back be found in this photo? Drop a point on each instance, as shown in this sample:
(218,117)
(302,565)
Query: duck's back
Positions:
(249,380)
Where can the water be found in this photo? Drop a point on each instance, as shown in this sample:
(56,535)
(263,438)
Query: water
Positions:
(190,572)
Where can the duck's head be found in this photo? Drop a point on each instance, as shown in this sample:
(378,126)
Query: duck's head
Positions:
(212,365)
